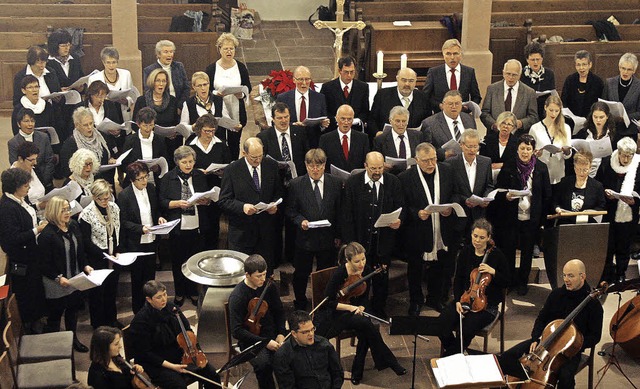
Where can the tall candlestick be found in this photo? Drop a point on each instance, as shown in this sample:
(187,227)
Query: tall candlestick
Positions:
(380,62)
(403,61)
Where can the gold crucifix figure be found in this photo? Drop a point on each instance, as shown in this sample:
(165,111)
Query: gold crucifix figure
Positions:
(339,27)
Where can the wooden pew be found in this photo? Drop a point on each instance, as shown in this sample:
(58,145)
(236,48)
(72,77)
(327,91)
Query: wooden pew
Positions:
(98,10)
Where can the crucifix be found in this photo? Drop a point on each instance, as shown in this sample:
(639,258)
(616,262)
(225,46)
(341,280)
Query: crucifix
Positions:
(339,27)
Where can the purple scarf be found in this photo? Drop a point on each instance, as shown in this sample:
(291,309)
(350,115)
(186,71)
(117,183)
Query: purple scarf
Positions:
(525,169)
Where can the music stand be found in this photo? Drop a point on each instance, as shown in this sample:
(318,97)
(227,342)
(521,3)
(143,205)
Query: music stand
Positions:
(245,355)
(411,325)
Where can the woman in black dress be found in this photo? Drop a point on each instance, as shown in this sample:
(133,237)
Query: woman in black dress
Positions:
(145,144)
(107,370)
(337,316)
(471,257)
(502,145)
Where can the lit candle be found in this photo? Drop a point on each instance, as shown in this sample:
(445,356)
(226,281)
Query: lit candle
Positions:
(403,61)
(380,61)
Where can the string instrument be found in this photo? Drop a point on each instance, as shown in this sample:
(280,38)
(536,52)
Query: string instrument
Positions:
(139,380)
(475,299)
(193,354)
(625,327)
(256,309)
(560,341)
(355,286)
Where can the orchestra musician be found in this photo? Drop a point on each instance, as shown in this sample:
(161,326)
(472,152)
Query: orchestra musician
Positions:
(347,312)
(482,255)
(271,322)
(153,342)
(107,370)
(559,304)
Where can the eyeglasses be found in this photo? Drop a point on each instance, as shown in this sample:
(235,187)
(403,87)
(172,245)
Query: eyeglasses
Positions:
(61,45)
(142,178)
(203,85)
(87,164)
(227,49)
(306,332)
(454,104)
(103,198)
(255,157)
(32,87)
(507,125)
(314,166)
(65,210)
(32,160)
(509,74)
(428,160)
(208,131)
(303,79)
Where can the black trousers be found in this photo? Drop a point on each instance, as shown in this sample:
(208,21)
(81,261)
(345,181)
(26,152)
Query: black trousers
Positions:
(142,270)
(303,264)
(102,301)
(264,246)
(170,379)
(509,363)
(262,367)
(69,306)
(29,295)
(620,236)
(439,274)
(472,323)
(379,282)
(213,232)
(183,246)
(507,238)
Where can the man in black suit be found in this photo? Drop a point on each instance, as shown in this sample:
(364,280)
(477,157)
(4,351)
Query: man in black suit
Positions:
(451,76)
(246,182)
(369,194)
(400,142)
(346,90)
(345,149)
(306,103)
(471,176)
(405,95)
(428,235)
(312,197)
(448,124)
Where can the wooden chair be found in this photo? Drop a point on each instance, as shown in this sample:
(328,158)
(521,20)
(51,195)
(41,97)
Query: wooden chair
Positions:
(586,360)
(232,348)
(39,375)
(319,281)
(6,375)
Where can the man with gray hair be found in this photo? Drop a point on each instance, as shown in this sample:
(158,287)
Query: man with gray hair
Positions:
(451,75)
(400,142)
(179,86)
(510,95)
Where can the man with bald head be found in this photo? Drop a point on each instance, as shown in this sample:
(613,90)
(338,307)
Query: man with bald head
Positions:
(406,95)
(248,181)
(345,149)
(369,194)
(305,103)
(510,95)
(560,303)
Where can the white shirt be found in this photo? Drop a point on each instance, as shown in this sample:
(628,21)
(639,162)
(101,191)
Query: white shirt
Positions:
(65,66)
(348,134)
(258,168)
(349,86)
(27,137)
(206,150)
(44,88)
(401,97)
(396,142)
(167,68)
(514,92)
(320,185)
(448,74)
(298,97)
(142,198)
(146,145)
(371,183)
(189,222)
(98,116)
(471,169)
(459,125)
(287,137)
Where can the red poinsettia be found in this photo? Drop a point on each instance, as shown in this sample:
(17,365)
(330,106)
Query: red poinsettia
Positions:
(280,81)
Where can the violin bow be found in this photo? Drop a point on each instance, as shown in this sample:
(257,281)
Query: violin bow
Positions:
(235,386)
(381,320)
(310,313)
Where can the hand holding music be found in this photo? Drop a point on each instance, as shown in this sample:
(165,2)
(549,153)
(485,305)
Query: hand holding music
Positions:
(484,268)
(249,209)
(280,339)
(446,212)
(395,225)
(423,215)
(304,225)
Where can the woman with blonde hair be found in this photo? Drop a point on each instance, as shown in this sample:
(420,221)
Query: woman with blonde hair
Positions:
(202,101)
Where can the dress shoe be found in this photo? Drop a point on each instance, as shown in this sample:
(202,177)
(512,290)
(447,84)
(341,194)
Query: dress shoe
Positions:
(523,290)
(398,369)
(79,347)
(194,300)
(436,305)
(117,324)
(178,302)
(356,380)
(414,309)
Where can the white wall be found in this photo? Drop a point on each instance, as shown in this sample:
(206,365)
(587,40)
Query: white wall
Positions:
(285,9)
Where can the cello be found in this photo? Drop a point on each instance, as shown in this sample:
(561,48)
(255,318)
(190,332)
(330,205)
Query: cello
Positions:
(475,299)
(188,342)
(559,342)
(256,309)
(625,327)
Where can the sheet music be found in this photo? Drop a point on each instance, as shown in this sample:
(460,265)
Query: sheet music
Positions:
(263,206)
(215,167)
(160,161)
(551,92)
(320,224)
(313,121)
(402,163)
(433,208)
(232,90)
(600,148)
(387,219)
(107,125)
(69,192)
(118,161)
(460,369)
(165,228)
(453,146)
(477,200)
(72,97)
(227,123)
(182,129)
(212,194)
(618,110)
(551,148)
(80,82)
(579,121)
(125,259)
(76,208)
(618,196)
(473,108)
(343,174)
(82,281)
(53,134)
(124,96)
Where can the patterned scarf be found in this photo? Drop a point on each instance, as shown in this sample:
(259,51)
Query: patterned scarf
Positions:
(95,142)
(525,169)
(148,97)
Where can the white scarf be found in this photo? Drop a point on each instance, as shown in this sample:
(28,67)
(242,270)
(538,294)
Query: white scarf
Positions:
(623,212)
(438,243)
(37,108)
(103,229)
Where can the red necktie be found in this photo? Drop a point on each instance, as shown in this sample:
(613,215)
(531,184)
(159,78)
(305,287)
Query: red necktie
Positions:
(346,92)
(303,110)
(454,82)
(345,147)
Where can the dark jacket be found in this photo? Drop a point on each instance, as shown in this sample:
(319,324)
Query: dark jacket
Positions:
(436,85)
(461,189)
(271,140)
(580,103)
(387,98)
(181,84)
(331,143)
(491,148)
(53,259)
(358,99)
(16,233)
(171,189)
(167,118)
(594,198)
(244,80)
(75,71)
(130,221)
(612,180)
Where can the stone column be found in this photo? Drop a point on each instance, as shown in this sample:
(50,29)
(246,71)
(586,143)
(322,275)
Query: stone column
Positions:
(476,28)
(124,29)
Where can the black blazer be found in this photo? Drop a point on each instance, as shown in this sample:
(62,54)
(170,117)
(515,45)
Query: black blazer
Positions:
(16,233)
(490,147)
(506,212)
(50,79)
(357,224)
(219,154)
(358,99)
(167,118)
(238,189)
(418,233)
(593,197)
(244,80)
(481,187)
(170,189)
(316,107)
(331,143)
(302,205)
(53,259)
(75,71)
(611,180)
(387,98)
(46,118)
(132,142)
(130,220)
(271,140)
(580,103)
(385,145)
(436,85)
(70,146)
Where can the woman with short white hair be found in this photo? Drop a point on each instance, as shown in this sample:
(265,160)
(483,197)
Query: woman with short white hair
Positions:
(625,88)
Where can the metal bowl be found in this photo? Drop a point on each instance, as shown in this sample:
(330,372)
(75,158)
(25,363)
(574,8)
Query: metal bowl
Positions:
(215,267)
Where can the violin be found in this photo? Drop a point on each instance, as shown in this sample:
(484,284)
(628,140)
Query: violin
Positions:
(355,286)
(256,309)
(188,342)
(475,299)
(139,380)
(560,341)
